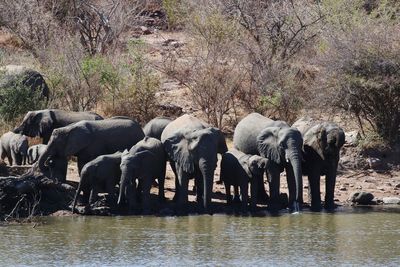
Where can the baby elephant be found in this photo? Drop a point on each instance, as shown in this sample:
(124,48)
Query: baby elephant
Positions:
(146,161)
(99,175)
(237,170)
(14,147)
(34,153)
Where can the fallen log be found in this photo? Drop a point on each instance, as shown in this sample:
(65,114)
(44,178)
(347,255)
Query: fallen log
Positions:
(32,193)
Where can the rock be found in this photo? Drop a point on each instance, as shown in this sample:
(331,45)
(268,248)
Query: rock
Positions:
(391,200)
(361,198)
(145,30)
(397,186)
(343,188)
(375,163)
(352,138)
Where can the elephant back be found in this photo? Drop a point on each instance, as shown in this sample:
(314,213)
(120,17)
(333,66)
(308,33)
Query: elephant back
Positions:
(247,130)
(156,126)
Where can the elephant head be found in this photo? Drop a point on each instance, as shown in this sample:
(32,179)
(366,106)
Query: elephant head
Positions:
(325,139)
(283,147)
(130,168)
(257,166)
(65,142)
(195,152)
(36,123)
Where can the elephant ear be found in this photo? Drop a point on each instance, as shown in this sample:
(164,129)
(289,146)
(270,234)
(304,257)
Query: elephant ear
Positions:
(177,148)
(268,144)
(45,122)
(316,138)
(222,147)
(77,139)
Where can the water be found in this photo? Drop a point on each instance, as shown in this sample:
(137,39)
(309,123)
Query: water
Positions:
(307,239)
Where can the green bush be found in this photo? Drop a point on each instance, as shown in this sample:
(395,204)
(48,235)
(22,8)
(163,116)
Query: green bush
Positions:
(16,101)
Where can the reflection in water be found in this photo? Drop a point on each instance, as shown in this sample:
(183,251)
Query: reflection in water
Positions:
(316,239)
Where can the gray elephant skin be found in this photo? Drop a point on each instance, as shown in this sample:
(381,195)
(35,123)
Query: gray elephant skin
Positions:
(145,162)
(238,170)
(156,126)
(43,122)
(192,146)
(89,139)
(34,153)
(321,153)
(99,175)
(16,75)
(282,145)
(14,147)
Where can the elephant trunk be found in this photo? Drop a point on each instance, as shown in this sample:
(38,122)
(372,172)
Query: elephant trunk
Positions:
(123,188)
(43,158)
(207,170)
(295,161)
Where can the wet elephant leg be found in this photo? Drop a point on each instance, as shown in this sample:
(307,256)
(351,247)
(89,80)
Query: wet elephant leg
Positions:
(314,189)
(274,186)
(262,196)
(330,188)
(146,186)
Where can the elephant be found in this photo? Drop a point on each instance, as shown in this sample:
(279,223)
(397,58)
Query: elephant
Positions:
(282,145)
(16,75)
(238,170)
(43,122)
(192,146)
(34,153)
(99,175)
(14,147)
(89,139)
(146,161)
(321,152)
(156,126)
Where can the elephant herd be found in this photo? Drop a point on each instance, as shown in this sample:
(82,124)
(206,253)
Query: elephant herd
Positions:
(118,157)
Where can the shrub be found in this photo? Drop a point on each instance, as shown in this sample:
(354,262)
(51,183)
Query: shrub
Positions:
(134,95)
(17,100)
(361,59)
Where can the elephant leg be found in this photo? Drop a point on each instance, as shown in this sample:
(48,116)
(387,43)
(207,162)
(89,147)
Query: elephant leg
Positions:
(183,179)
(132,195)
(161,184)
(314,189)
(291,182)
(146,186)
(14,158)
(93,194)
(244,192)
(199,188)
(253,191)
(262,196)
(59,168)
(274,184)
(236,194)
(330,189)
(85,196)
(228,193)
(110,189)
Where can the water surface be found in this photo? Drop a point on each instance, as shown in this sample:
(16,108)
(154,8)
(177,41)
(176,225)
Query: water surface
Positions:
(308,239)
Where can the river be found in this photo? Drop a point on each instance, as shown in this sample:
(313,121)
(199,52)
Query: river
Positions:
(348,237)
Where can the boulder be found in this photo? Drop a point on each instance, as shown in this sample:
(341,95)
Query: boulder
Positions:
(352,138)
(16,75)
(391,200)
(361,198)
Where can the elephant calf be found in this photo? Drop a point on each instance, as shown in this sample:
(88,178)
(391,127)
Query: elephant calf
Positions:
(146,161)
(99,175)
(34,153)
(237,170)
(14,147)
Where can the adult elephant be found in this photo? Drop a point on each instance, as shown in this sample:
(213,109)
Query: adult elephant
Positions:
(89,139)
(43,122)
(192,146)
(156,126)
(321,152)
(16,75)
(281,144)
